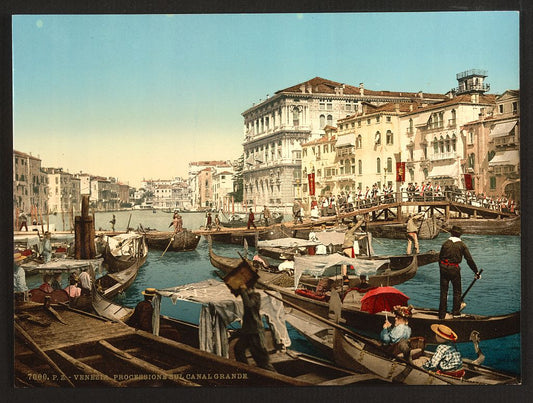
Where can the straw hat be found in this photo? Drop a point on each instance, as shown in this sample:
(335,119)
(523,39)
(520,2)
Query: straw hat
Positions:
(18,257)
(444,331)
(149,292)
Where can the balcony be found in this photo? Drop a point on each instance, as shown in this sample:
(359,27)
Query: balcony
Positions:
(444,156)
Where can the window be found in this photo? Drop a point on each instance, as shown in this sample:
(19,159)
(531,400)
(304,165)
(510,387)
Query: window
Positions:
(348,107)
(411,126)
(295,117)
(471,160)
(329,106)
(501,108)
(368,121)
(322,121)
(358,123)
(470,137)
(330,120)
(378,165)
(378,118)
(360,167)
(377,138)
(389,164)
(359,142)
(325,148)
(389,137)
(353,166)
(388,119)
(493,182)
(515,107)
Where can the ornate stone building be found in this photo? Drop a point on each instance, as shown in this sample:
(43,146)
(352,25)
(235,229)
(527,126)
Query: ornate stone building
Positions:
(435,148)
(275,128)
(30,187)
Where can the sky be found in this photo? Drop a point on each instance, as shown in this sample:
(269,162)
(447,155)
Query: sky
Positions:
(140,96)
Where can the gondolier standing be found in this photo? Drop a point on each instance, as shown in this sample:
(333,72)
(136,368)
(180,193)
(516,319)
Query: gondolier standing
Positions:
(412,231)
(451,254)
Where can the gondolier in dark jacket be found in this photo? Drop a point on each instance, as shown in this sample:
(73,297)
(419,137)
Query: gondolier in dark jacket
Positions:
(142,316)
(451,254)
(252,334)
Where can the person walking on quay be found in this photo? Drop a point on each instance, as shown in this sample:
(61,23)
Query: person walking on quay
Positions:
(451,254)
(209,221)
(297,212)
(413,224)
(47,247)
(113,222)
(266,215)
(251,219)
(217,222)
(23,218)
(252,333)
(142,316)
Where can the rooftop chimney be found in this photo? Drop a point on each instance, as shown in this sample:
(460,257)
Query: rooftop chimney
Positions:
(361,89)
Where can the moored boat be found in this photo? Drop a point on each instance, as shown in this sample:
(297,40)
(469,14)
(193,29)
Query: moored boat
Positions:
(86,350)
(352,350)
(488,226)
(429,228)
(218,306)
(124,251)
(182,241)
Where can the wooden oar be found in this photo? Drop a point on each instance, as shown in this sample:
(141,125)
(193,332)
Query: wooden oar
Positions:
(40,352)
(128,226)
(169,242)
(463,303)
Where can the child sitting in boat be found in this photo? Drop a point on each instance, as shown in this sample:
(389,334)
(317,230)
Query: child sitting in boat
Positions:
(395,338)
(447,359)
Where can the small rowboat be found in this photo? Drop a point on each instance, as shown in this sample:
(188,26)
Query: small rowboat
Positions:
(172,241)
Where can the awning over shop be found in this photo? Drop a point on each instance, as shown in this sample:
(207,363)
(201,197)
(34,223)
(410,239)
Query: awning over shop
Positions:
(445,171)
(345,141)
(502,129)
(509,157)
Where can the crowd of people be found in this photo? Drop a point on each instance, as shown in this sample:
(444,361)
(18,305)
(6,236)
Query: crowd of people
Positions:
(349,201)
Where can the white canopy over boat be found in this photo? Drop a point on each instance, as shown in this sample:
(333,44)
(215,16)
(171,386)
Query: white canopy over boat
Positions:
(328,265)
(221,308)
(287,243)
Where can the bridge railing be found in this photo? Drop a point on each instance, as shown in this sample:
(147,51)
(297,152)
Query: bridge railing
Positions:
(457,195)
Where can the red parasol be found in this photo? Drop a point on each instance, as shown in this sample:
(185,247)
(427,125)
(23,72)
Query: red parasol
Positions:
(382,299)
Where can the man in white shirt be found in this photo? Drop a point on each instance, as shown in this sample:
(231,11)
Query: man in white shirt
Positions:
(85,282)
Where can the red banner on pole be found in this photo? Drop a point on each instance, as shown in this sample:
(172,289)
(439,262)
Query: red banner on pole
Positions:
(400,172)
(311,180)
(468,182)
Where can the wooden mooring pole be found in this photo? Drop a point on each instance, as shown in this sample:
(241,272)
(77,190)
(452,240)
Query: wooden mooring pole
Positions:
(84,232)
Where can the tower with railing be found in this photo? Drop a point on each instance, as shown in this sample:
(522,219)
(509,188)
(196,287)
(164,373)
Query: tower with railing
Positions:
(471,82)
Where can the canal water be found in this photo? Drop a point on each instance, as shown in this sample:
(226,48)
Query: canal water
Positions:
(496,293)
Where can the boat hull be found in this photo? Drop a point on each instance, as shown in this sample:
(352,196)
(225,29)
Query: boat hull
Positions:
(176,242)
(486,226)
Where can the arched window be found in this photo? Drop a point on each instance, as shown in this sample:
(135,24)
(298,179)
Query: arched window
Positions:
(353,166)
(454,116)
(454,142)
(360,167)
(441,144)
(359,142)
(389,164)
(378,165)
(347,166)
(322,121)
(389,137)
(377,138)
(330,120)
(471,160)
(435,146)
(411,126)
(447,144)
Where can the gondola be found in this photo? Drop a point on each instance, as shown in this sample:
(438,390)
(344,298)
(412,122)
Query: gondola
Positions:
(488,226)
(392,271)
(62,346)
(116,282)
(124,251)
(182,241)
(217,296)
(429,229)
(356,351)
